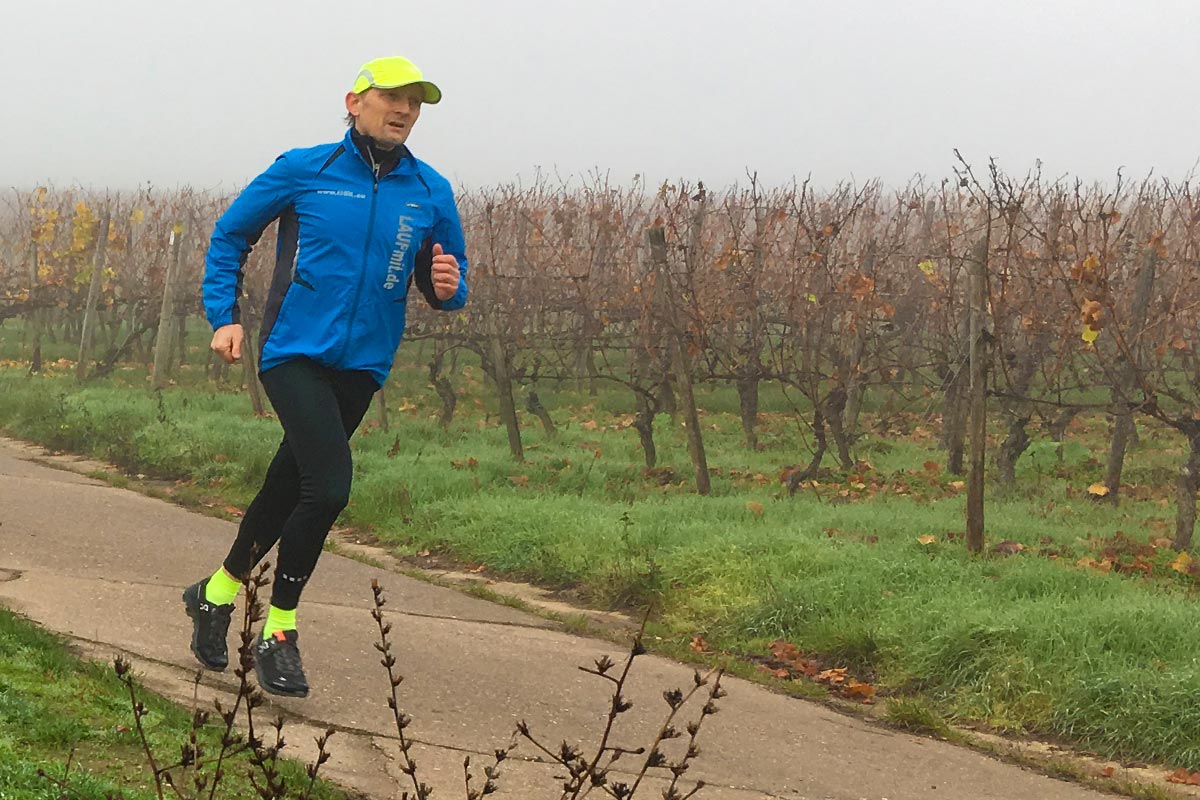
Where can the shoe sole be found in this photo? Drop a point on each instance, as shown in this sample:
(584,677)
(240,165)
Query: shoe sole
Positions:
(266,687)
(192,616)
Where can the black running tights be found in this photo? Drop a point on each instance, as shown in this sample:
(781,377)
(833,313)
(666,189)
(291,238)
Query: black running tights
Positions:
(308,481)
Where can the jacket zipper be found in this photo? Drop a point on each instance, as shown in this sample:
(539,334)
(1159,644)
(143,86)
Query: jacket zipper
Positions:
(366,255)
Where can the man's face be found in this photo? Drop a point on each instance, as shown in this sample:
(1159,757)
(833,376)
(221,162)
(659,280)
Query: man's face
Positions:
(386,115)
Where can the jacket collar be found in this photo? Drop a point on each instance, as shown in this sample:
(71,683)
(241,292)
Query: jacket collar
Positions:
(406,166)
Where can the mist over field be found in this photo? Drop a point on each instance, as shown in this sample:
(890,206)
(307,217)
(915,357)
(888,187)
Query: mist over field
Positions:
(121,94)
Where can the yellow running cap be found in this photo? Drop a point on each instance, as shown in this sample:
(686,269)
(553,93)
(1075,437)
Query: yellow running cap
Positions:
(393,71)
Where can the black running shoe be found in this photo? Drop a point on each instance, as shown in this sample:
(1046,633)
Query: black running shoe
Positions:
(277,664)
(210,627)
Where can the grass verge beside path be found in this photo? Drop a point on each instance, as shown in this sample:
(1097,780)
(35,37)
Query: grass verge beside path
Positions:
(866,571)
(55,707)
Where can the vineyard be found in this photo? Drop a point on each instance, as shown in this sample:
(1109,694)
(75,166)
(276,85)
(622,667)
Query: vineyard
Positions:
(762,411)
(997,309)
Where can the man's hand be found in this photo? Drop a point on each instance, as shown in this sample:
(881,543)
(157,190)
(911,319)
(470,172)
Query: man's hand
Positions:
(445,274)
(227,342)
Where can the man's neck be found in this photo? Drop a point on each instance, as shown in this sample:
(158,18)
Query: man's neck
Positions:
(372,142)
(382,159)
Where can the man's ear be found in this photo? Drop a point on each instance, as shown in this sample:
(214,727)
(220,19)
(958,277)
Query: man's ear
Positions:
(352,103)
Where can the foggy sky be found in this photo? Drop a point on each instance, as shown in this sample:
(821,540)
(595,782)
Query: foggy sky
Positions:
(125,92)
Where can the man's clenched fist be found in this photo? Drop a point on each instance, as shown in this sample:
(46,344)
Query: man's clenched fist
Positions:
(227,342)
(445,274)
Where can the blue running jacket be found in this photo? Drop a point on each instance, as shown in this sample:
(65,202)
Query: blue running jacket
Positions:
(349,248)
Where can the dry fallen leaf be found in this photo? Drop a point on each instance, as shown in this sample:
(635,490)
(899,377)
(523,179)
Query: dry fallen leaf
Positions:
(1008,547)
(860,691)
(834,677)
(1184,777)
(784,651)
(928,538)
(1091,563)
(782,674)
(699,645)
(1098,490)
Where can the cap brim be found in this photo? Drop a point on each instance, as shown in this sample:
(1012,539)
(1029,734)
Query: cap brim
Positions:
(432,93)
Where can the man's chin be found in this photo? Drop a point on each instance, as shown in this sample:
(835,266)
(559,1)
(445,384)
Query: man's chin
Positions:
(394,138)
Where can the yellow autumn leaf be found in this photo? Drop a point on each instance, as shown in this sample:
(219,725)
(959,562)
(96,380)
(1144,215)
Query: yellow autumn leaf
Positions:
(1091,262)
(927,266)
(927,539)
(82,227)
(137,217)
(958,486)
(1098,490)
(1090,334)
(812,298)
(1182,564)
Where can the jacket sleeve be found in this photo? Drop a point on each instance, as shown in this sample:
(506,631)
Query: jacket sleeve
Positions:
(236,233)
(447,232)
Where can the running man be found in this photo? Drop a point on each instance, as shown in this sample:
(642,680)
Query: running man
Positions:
(361,222)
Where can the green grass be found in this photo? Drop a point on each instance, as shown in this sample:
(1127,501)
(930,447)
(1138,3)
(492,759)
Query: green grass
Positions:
(55,708)
(1028,643)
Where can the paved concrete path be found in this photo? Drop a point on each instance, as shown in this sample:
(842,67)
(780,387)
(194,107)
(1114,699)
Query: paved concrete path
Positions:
(106,566)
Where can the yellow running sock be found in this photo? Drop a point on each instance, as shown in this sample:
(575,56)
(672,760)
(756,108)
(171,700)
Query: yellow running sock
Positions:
(222,588)
(279,620)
